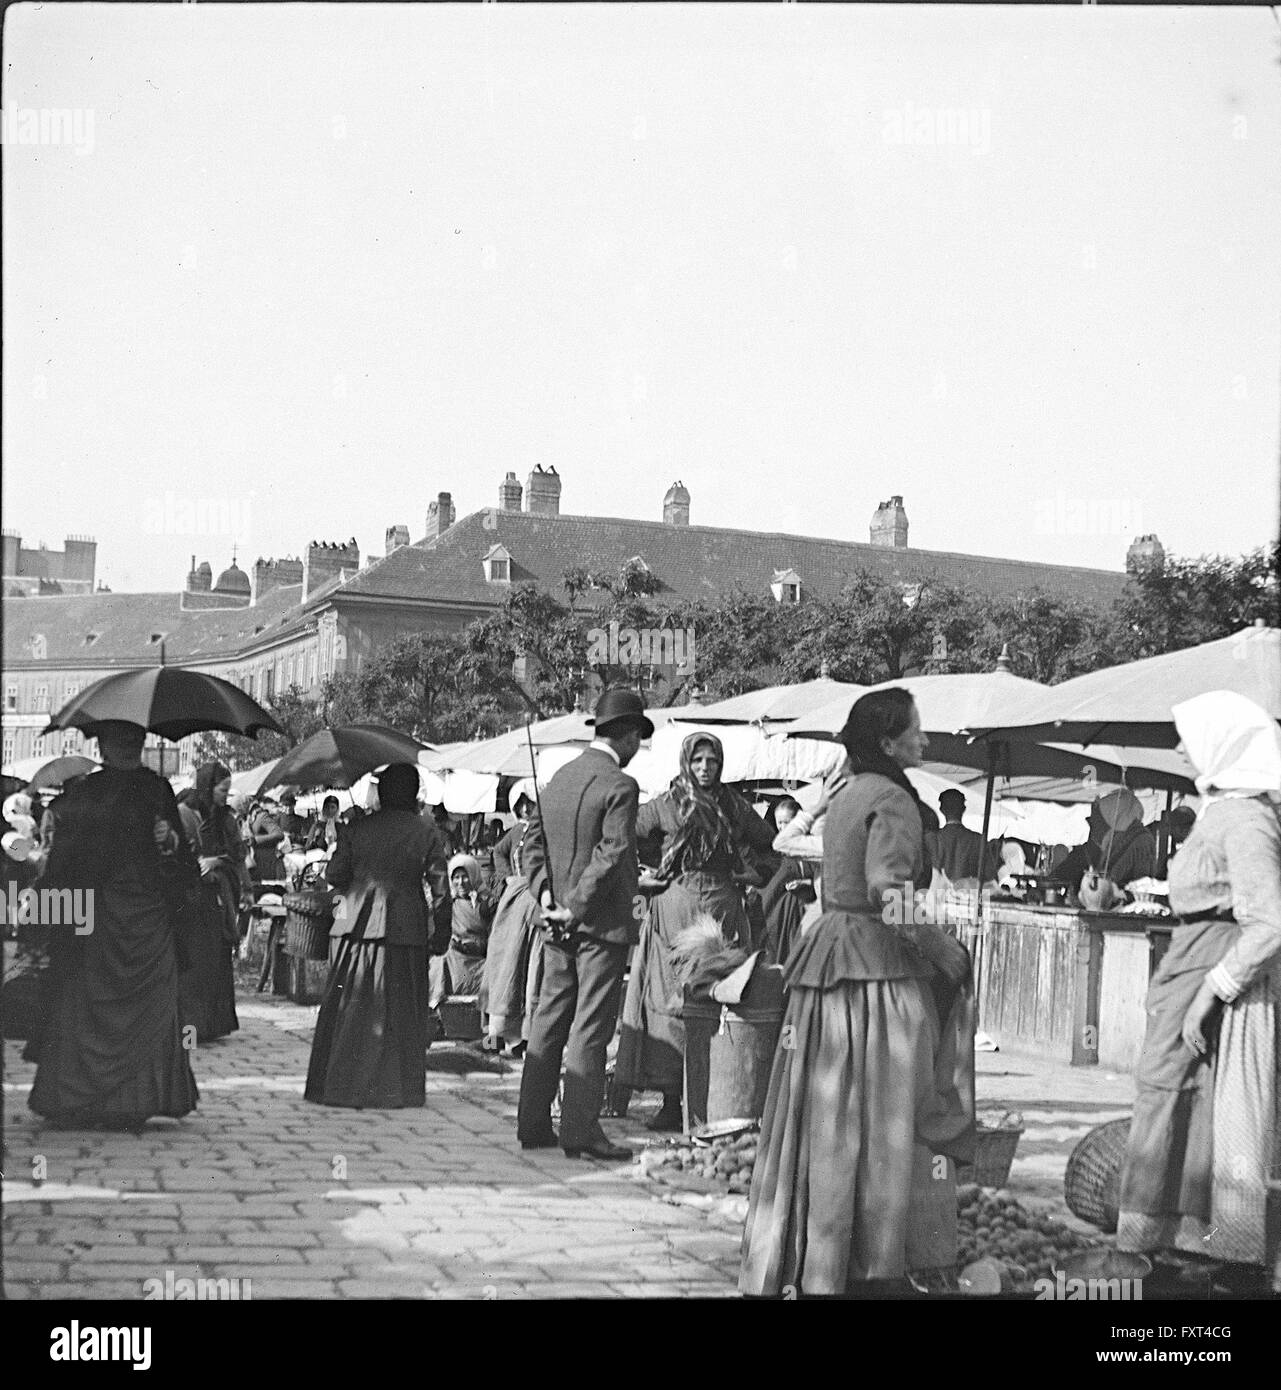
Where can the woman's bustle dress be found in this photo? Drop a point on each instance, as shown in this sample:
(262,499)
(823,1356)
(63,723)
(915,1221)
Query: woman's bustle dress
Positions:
(871,1095)
(111,1046)
(208,985)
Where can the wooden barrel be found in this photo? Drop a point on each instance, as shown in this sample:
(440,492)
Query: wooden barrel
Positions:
(729,1052)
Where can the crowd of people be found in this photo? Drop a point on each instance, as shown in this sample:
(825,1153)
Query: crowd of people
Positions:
(871,1100)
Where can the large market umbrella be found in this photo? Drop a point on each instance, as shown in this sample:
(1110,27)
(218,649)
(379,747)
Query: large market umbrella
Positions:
(775,702)
(167,700)
(52,771)
(339,757)
(1131,704)
(250,781)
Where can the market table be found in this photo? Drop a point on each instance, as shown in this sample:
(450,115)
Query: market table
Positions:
(1064,982)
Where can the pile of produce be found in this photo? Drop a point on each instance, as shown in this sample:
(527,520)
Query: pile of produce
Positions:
(725,1162)
(1012,1245)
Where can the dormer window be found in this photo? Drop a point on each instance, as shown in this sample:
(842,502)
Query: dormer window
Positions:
(786,586)
(39,647)
(498,565)
(156,637)
(91,638)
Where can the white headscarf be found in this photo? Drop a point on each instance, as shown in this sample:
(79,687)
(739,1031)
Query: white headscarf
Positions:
(1234,745)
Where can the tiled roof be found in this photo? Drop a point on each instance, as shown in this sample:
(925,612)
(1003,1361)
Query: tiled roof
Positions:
(688,561)
(125,624)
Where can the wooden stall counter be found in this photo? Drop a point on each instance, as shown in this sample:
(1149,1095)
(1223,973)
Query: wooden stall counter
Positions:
(1063,982)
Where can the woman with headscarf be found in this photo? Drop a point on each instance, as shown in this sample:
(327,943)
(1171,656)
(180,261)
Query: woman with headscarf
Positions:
(209,984)
(871,1096)
(111,1053)
(462,968)
(1120,847)
(370,1047)
(1206,1137)
(701,834)
(791,889)
(511,940)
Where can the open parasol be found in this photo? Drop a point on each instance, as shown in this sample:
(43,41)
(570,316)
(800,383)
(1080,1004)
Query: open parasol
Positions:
(340,757)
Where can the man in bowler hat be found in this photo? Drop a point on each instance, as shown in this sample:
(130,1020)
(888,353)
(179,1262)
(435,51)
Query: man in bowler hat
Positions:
(579,856)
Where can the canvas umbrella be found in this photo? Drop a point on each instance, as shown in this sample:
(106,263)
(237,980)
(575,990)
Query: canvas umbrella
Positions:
(250,781)
(1130,704)
(775,702)
(52,771)
(339,757)
(167,700)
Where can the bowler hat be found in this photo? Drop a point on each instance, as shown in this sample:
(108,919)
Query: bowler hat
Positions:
(620,706)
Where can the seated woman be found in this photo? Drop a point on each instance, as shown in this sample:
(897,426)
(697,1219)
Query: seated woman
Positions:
(1206,1137)
(370,1047)
(461,968)
(1120,847)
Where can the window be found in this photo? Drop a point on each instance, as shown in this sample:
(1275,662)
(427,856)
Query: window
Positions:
(9,749)
(91,638)
(11,697)
(786,586)
(269,683)
(37,746)
(498,565)
(71,690)
(69,741)
(42,698)
(311,669)
(39,647)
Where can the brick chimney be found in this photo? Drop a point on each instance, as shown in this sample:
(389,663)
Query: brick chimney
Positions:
(1145,553)
(396,537)
(542,491)
(326,560)
(676,505)
(440,515)
(509,493)
(889,525)
(273,574)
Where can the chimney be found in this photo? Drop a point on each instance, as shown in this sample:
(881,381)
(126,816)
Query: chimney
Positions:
(676,505)
(200,577)
(542,492)
(440,515)
(79,559)
(509,493)
(396,537)
(1145,553)
(889,525)
(326,560)
(273,574)
(12,548)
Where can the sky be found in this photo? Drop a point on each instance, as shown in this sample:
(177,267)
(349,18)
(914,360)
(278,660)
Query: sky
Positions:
(283,273)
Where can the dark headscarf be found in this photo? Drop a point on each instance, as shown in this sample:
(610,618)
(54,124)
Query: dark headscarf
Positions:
(706,815)
(884,714)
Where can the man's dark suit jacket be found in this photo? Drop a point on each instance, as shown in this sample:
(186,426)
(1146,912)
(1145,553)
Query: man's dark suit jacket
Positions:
(587,830)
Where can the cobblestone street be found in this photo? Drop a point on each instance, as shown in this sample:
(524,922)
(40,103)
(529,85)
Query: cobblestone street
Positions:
(310,1202)
(303,1201)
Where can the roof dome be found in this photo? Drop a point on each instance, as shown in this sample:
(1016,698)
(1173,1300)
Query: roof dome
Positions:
(233,580)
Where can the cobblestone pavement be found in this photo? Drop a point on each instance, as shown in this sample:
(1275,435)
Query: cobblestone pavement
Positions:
(303,1201)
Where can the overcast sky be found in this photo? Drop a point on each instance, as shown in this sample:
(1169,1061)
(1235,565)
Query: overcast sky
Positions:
(295,270)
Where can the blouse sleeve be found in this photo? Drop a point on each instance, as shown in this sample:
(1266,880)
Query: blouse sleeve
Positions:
(650,832)
(796,840)
(894,840)
(1253,847)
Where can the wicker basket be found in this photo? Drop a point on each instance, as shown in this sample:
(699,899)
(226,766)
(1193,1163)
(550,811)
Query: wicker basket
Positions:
(1092,1183)
(993,1157)
(311,914)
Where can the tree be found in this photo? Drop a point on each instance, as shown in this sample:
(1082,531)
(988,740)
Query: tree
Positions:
(1187,602)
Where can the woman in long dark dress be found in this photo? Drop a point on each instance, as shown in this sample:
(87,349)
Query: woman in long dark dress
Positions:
(701,834)
(370,1047)
(209,985)
(111,1052)
(871,1096)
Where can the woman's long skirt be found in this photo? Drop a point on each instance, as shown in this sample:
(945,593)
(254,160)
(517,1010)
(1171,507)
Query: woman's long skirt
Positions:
(1200,1157)
(506,979)
(208,985)
(867,1095)
(111,1048)
(370,1047)
(651,1049)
